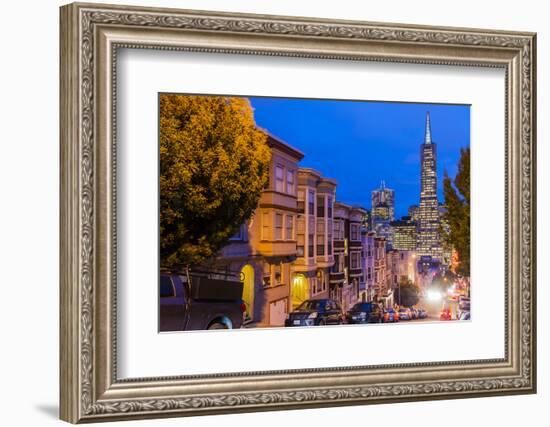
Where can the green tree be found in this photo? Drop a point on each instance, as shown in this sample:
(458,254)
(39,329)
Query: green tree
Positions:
(408,293)
(214,163)
(457,215)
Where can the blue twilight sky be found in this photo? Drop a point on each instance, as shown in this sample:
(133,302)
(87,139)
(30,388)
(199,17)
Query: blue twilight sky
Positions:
(362,143)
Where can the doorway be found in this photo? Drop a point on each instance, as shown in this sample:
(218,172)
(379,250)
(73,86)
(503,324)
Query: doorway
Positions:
(247,277)
(299,292)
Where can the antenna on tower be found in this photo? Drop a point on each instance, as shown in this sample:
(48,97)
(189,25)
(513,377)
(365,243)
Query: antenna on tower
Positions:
(428,135)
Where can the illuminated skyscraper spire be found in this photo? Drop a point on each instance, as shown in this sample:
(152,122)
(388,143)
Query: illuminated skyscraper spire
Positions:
(428,135)
(428,233)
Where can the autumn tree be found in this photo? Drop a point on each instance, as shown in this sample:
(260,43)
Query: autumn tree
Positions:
(214,163)
(457,215)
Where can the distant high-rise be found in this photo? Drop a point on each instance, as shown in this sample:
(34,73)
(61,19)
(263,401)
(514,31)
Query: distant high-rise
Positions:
(383,211)
(404,234)
(384,198)
(429,236)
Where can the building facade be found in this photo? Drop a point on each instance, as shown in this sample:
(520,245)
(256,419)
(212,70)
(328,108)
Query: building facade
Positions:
(384,197)
(368,293)
(314,237)
(429,238)
(264,250)
(346,275)
(374,267)
(356,216)
(339,273)
(383,211)
(403,234)
(299,244)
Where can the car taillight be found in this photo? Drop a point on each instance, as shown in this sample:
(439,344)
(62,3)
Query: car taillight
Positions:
(243,307)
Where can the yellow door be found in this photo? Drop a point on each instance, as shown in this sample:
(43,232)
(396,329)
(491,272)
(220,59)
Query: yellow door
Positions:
(299,290)
(247,277)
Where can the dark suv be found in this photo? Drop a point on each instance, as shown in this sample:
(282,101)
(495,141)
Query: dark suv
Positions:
(316,312)
(212,301)
(364,312)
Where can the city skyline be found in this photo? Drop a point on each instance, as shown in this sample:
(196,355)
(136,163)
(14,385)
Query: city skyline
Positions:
(384,137)
(278,240)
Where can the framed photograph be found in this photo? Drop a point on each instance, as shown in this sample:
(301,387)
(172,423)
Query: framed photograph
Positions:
(266,213)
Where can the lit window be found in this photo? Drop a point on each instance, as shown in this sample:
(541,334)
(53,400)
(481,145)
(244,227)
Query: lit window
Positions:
(310,240)
(267,274)
(311,202)
(329,238)
(277,274)
(289,227)
(290,182)
(300,204)
(334,268)
(313,285)
(279,178)
(320,237)
(354,232)
(265,226)
(278,226)
(300,245)
(355,260)
(321,206)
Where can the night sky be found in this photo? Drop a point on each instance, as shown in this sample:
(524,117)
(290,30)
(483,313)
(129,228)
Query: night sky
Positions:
(362,143)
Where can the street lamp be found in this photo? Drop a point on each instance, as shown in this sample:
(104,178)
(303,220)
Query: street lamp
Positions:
(434,295)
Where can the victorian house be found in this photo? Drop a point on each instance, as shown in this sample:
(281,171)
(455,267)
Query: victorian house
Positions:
(347,272)
(263,252)
(314,236)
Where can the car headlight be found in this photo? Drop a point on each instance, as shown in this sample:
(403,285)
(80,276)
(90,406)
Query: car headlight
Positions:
(312,315)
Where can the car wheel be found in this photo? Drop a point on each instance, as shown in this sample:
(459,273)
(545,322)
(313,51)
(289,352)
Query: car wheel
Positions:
(217,325)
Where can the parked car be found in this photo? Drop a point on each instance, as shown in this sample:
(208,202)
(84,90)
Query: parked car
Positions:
(405,313)
(364,312)
(316,312)
(464,315)
(422,314)
(211,301)
(445,314)
(414,313)
(390,315)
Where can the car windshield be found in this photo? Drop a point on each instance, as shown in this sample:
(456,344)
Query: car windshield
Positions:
(309,306)
(364,306)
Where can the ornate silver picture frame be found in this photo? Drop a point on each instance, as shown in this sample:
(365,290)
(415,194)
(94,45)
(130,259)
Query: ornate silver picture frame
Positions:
(91,35)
